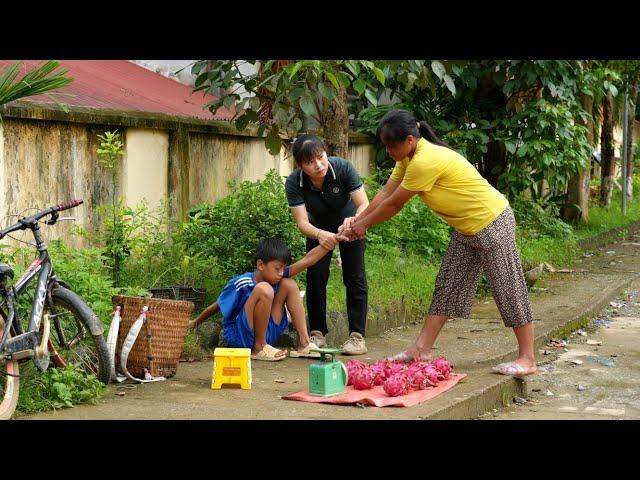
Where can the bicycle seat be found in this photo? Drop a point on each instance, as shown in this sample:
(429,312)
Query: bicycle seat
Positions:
(5,270)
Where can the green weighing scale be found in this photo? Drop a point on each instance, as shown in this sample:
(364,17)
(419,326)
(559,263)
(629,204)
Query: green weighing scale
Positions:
(328,377)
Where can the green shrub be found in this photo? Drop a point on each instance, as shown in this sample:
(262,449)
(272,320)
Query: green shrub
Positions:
(415,229)
(83,270)
(535,221)
(230,229)
(57,388)
(125,233)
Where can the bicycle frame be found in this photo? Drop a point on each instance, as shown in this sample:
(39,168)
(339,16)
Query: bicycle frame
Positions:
(42,267)
(53,303)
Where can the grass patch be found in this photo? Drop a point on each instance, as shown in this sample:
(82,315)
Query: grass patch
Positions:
(393,278)
(565,330)
(556,251)
(602,220)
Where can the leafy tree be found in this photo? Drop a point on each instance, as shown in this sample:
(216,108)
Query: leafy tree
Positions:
(630,77)
(284,97)
(518,121)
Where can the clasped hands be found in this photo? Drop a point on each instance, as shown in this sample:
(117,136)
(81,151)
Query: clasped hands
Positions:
(350,230)
(347,232)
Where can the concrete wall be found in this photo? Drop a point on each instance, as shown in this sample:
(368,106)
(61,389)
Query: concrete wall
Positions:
(216,159)
(48,156)
(45,163)
(362,156)
(145,166)
(618,133)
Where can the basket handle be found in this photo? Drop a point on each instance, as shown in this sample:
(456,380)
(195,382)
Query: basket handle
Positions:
(149,335)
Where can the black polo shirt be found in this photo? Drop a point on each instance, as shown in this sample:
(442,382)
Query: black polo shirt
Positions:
(327,208)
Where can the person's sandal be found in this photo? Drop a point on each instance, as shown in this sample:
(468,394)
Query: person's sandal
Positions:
(268,354)
(306,352)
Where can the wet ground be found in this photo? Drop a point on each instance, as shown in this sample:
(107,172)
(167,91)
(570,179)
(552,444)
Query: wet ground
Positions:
(597,374)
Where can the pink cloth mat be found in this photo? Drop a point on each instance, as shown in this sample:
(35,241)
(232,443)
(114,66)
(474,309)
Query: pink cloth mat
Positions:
(377,397)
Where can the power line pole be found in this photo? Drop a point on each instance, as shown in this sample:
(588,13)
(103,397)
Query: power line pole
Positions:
(625,134)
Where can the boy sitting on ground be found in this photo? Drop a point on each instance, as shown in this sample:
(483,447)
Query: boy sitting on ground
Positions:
(253,304)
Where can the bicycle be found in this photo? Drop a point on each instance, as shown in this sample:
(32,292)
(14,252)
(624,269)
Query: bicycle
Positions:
(77,333)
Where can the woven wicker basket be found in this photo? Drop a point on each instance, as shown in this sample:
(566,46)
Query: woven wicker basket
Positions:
(181,292)
(159,344)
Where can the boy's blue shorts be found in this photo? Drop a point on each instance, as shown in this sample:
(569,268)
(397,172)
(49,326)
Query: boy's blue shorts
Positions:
(240,335)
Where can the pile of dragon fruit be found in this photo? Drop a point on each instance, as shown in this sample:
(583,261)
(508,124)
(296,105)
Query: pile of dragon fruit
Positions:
(398,378)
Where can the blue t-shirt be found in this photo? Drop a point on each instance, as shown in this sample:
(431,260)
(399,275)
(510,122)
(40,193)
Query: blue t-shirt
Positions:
(235,294)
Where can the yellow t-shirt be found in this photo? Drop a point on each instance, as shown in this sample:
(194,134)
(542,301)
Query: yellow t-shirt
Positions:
(452,187)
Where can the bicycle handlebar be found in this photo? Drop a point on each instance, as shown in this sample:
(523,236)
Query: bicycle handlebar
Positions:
(29,222)
(70,204)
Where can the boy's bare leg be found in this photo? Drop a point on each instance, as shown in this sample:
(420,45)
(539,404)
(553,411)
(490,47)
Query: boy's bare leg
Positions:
(258,309)
(289,295)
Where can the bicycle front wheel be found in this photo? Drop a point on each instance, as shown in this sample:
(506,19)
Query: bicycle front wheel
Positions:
(9,388)
(9,382)
(71,337)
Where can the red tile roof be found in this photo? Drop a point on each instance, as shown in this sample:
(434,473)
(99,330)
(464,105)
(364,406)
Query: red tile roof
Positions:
(123,85)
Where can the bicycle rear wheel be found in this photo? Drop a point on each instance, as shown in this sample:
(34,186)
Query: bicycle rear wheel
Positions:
(71,338)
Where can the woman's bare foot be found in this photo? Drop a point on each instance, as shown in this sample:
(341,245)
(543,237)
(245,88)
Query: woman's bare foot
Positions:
(410,354)
(527,364)
(519,369)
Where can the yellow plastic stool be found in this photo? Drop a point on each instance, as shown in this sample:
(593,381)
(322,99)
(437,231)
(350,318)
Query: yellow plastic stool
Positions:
(231,366)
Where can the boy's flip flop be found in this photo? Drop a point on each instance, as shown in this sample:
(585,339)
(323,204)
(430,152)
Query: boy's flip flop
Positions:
(306,352)
(268,354)
(511,369)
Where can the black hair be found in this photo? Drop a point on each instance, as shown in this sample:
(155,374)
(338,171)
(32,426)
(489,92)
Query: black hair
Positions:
(272,248)
(307,147)
(397,125)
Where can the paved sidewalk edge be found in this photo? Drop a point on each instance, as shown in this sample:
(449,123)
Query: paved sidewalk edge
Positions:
(495,391)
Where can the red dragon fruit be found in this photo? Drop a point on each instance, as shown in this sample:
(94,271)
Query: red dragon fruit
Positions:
(378,369)
(363,379)
(352,367)
(431,376)
(443,367)
(418,380)
(414,375)
(423,365)
(393,368)
(396,385)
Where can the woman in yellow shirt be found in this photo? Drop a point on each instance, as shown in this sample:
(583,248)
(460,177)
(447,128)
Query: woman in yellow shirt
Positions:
(483,240)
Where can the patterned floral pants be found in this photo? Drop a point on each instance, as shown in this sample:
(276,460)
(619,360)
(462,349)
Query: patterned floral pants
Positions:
(493,251)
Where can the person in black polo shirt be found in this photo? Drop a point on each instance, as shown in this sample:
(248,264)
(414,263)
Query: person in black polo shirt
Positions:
(322,192)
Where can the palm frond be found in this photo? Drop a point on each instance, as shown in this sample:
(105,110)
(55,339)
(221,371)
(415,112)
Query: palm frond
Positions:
(9,75)
(35,82)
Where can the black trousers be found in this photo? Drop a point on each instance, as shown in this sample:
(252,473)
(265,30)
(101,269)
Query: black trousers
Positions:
(354,278)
